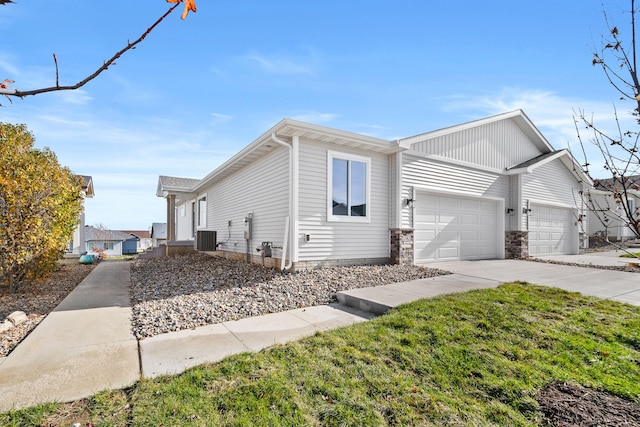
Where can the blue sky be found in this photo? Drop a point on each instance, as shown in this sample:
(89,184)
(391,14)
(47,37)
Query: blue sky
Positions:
(195,92)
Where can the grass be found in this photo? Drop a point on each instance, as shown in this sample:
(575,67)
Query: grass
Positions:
(476,358)
(631,255)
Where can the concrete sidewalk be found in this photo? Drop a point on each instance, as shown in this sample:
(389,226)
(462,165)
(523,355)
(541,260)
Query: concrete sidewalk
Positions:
(86,344)
(82,347)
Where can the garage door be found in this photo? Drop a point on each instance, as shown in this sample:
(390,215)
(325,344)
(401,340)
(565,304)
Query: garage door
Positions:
(550,230)
(454,228)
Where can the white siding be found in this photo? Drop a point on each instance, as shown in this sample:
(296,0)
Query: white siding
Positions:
(262,189)
(340,240)
(552,184)
(395,199)
(616,228)
(497,145)
(437,176)
(184,224)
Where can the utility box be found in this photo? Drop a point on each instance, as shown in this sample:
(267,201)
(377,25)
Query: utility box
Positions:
(248,227)
(206,240)
(266,249)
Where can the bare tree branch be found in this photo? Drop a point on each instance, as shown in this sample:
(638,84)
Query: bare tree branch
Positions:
(106,65)
(613,202)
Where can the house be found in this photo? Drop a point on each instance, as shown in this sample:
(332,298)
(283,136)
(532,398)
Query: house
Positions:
(109,242)
(143,237)
(303,196)
(606,202)
(158,234)
(77,244)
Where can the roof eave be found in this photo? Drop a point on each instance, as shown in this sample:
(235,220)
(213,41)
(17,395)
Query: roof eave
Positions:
(518,116)
(287,129)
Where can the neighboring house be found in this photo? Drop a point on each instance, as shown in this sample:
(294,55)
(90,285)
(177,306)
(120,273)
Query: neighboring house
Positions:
(158,234)
(77,245)
(312,196)
(144,241)
(109,242)
(606,215)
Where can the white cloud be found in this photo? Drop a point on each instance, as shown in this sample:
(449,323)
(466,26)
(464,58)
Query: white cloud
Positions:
(314,117)
(282,65)
(219,118)
(10,71)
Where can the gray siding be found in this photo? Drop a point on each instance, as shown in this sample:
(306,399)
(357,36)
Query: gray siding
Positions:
(497,145)
(329,240)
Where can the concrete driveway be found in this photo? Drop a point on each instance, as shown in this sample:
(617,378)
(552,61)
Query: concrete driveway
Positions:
(619,286)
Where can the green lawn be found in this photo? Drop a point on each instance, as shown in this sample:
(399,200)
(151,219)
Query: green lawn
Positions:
(476,358)
(631,255)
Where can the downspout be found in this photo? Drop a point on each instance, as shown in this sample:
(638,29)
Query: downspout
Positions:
(289,224)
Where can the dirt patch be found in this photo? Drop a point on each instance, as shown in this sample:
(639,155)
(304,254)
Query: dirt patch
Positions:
(570,405)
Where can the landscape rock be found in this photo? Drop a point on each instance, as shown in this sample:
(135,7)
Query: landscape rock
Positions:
(184,292)
(5,326)
(18,318)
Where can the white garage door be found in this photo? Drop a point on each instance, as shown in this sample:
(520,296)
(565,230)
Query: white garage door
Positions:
(550,230)
(454,228)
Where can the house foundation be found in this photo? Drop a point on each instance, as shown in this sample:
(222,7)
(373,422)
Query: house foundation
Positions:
(401,246)
(516,244)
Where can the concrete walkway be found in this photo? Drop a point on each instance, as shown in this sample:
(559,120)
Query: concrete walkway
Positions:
(86,344)
(82,347)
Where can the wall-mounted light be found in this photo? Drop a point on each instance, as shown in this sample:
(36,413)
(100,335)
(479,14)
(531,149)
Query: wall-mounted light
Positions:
(509,210)
(408,202)
(526,210)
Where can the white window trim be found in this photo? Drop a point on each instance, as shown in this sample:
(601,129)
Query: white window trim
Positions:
(347,218)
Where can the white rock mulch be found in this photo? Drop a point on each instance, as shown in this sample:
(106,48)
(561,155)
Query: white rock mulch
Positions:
(171,294)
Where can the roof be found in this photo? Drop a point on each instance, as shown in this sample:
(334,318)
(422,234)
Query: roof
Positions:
(174,184)
(104,235)
(630,183)
(142,234)
(564,155)
(87,186)
(517,116)
(287,129)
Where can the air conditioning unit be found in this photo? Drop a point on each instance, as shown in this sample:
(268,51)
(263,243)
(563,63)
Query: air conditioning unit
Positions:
(206,241)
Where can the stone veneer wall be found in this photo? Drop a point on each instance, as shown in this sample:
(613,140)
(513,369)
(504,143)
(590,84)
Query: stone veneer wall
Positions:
(516,244)
(401,246)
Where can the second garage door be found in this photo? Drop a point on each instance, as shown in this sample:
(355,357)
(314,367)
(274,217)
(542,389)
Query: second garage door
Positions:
(550,230)
(454,228)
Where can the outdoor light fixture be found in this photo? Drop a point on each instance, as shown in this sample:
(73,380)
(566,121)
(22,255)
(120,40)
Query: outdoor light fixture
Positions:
(509,210)
(408,203)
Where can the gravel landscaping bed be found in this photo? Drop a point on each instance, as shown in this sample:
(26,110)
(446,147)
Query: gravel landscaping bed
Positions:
(37,299)
(171,294)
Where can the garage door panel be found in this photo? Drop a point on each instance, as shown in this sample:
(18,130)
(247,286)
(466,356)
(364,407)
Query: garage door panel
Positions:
(469,219)
(464,228)
(468,204)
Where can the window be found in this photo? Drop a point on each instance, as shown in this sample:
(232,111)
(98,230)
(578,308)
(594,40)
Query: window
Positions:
(348,188)
(182,210)
(108,246)
(202,212)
